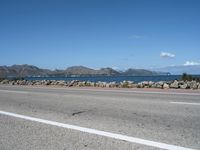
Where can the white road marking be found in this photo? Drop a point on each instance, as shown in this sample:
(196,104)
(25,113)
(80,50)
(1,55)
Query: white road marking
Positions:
(99,132)
(185,103)
(12,91)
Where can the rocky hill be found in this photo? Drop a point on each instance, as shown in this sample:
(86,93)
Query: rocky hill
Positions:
(30,71)
(22,71)
(142,72)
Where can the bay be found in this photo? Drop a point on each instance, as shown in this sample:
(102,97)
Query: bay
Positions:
(136,79)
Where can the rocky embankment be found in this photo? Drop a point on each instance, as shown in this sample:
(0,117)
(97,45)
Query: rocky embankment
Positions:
(125,84)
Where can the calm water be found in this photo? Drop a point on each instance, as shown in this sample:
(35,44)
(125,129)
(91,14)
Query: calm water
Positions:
(111,78)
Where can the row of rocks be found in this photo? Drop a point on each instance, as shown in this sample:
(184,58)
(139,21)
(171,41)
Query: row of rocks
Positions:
(125,84)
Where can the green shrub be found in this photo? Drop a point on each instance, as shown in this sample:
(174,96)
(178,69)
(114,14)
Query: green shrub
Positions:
(196,79)
(125,84)
(186,77)
(1,79)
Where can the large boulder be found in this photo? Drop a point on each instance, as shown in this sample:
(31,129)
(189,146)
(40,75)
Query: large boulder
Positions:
(53,82)
(127,84)
(89,83)
(158,85)
(166,86)
(12,82)
(145,84)
(184,86)
(37,82)
(101,84)
(46,82)
(107,85)
(140,85)
(192,85)
(61,83)
(5,81)
(151,83)
(199,86)
(174,85)
(74,83)
(83,83)
(112,84)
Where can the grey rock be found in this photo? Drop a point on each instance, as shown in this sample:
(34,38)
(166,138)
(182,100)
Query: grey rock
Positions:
(154,85)
(161,83)
(166,86)
(174,85)
(112,84)
(145,84)
(192,85)
(199,86)
(12,82)
(140,85)
(151,83)
(159,86)
(101,84)
(5,82)
(74,83)
(184,86)
(107,85)
(127,84)
(88,83)
(61,83)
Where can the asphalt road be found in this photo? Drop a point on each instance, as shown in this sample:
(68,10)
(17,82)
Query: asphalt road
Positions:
(167,117)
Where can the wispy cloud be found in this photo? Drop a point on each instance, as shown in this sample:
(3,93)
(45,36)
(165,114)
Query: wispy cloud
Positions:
(167,55)
(191,63)
(136,37)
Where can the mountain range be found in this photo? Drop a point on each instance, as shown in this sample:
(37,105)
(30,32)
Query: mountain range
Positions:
(33,71)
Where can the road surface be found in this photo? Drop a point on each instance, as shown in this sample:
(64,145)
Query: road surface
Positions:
(99,119)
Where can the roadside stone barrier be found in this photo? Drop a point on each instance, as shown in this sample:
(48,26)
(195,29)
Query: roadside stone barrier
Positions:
(124,84)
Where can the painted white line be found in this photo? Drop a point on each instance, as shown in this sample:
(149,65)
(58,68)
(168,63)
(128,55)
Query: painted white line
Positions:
(11,91)
(185,103)
(98,132)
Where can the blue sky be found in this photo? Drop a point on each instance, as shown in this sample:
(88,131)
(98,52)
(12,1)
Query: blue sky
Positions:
(100,33)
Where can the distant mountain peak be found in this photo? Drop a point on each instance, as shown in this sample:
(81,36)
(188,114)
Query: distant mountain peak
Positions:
(30,70)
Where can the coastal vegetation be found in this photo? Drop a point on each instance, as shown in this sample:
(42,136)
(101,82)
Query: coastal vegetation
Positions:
(187,77)
(1,79)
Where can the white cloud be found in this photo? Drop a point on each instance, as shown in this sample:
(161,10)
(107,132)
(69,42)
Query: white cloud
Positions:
(191,63)
(166,55)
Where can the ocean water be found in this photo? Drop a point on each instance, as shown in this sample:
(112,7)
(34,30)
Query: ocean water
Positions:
(136,79)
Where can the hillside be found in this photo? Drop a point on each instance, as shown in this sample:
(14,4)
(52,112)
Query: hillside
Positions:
(142,72)
(31,71)
(22,71)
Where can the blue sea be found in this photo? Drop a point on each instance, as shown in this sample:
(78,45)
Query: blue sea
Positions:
(136,79)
